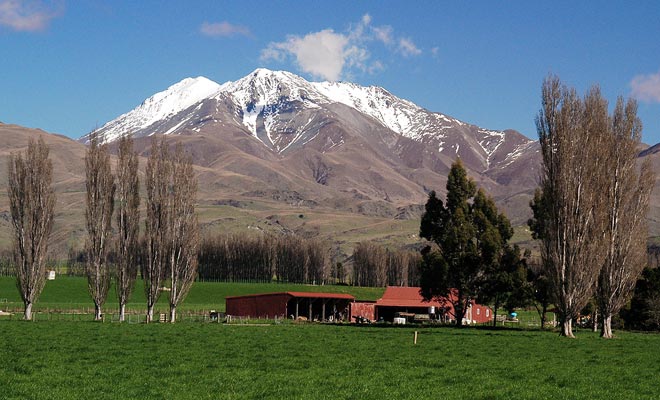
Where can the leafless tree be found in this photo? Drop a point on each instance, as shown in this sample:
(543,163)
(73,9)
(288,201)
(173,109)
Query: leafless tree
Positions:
(317,262)
(184,230)
(375,265)
(370,264)
(98,216)
(6,263)
(76,262)
(128,219)
(414,267)
(31,202)
(259,257)
(397,268)
(157,182)
(290,259)
(569,209)
(627,198)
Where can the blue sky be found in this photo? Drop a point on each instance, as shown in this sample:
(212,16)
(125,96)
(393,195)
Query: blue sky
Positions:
(69,66)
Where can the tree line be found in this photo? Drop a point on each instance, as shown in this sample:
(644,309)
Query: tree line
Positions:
(266,258)
(375,265)
(589,217)
(263,258)
(168,252)
(590,210)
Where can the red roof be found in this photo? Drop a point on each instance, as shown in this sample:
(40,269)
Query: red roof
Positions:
(322,295)
(397,296)
(314,295)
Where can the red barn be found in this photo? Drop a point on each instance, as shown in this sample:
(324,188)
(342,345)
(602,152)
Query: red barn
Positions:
(313,306)
(407,300)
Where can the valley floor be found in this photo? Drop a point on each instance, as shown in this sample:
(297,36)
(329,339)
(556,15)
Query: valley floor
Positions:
(81,360)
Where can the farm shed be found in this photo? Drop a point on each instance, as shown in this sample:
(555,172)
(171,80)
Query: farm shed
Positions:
(406,301)
(363,309)
(313,306)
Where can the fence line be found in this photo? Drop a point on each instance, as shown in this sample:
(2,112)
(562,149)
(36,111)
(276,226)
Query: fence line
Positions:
(197,316)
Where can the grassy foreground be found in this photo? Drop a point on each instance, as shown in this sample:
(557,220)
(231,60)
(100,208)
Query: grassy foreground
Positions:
(81,360)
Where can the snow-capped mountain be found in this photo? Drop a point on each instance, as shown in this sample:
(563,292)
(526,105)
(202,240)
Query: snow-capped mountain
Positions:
(377,145)
(284,111)
(160,106)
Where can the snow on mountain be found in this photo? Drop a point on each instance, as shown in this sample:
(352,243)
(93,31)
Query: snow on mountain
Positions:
(262,93)
(285,111)
(160,106)
(401,116)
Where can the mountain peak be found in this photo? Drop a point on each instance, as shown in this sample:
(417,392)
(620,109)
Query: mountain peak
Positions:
(161,105)
(267,80)
(284,112)
(265,72)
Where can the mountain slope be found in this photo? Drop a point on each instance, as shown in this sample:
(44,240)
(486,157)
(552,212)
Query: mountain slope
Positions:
(160,106)
(292,119)
(67,157)
(279,109)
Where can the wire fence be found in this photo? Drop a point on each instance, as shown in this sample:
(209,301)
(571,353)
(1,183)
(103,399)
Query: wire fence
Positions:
(134,317)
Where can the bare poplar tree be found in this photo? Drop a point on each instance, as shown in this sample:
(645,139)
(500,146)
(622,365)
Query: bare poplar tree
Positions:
(157,183)
(627,200)
(100,187)
(31,203)
(183,227)
(397,269)
(317,262)
(413,268)
(290,259)
(128,219)
(569,209)
(370,265)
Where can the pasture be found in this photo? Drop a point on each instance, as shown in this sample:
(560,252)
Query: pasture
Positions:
(81,360)
(70,293)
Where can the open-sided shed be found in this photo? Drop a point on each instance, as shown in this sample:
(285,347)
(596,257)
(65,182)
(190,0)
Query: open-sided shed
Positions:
(313,306)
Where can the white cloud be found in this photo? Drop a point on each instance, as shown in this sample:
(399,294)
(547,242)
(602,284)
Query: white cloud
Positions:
(223,29)
(366,19)
(408,48)
(275,51)
(334,55)
(383,33)
(27,16)
(646,87)
(322,54)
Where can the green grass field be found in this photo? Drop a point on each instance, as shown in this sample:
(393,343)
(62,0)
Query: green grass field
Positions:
(70,293)
(82,360)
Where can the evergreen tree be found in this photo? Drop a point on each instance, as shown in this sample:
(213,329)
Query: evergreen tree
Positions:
(644,312)
(539,289)
(504,282)
(469,236)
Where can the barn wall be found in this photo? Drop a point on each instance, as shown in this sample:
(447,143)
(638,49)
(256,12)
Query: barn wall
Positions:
(262,306)
(366,310)
(481,314)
